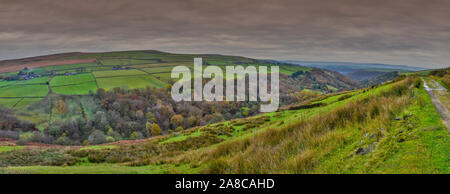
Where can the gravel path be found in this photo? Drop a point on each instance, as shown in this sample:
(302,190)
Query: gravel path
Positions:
(431,87)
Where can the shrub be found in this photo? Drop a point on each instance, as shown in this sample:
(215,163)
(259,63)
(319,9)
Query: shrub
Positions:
(97,156)
(178,129)
(63,141)
(9,134)
(40,138)
(97,137)
(136,135)
(110,139)
(21,142)
(43,157)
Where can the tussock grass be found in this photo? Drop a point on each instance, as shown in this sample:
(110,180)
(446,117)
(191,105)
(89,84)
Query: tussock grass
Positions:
(298,147)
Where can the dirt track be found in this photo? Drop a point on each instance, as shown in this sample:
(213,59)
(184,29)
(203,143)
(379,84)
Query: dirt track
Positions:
(433,89)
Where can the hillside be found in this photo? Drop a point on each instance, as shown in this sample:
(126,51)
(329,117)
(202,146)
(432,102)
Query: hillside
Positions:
(114,114)
(384,77)
(93,98)
(391,128)
(363,75)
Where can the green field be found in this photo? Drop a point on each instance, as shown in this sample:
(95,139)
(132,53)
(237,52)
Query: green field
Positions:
(72,79)
(24,91)
(141,81)
(116,73)
(78,89)
(39,80)
(9,102)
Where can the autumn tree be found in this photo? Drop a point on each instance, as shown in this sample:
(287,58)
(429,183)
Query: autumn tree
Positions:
(177,120)
(193,120)
(61,107)
(155,129)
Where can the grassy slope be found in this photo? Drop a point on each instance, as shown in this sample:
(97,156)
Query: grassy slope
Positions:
(424,149)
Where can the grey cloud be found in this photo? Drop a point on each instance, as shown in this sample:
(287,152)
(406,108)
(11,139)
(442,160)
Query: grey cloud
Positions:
(410,32)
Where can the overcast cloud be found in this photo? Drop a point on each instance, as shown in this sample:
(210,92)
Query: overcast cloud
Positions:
(407,32)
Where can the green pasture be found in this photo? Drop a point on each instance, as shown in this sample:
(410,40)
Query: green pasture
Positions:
(72,79)
(24,91)
(78,89)
(114,73)
(39,80)
(131,82)
(9,102)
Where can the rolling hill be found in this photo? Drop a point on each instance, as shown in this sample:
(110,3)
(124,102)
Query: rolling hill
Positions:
(70,96)
(112,113)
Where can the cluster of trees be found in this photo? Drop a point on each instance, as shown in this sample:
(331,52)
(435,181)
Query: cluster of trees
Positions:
(11,126)
(155,106)
(125,114)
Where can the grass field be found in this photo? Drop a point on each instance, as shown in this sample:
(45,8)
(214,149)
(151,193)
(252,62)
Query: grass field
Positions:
(141,81)
(39,80)
(9,103)
(24,91)
(73,79)
(79,89)
(114,73)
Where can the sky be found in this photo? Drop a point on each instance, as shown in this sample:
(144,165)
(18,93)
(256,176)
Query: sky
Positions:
(403,32)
